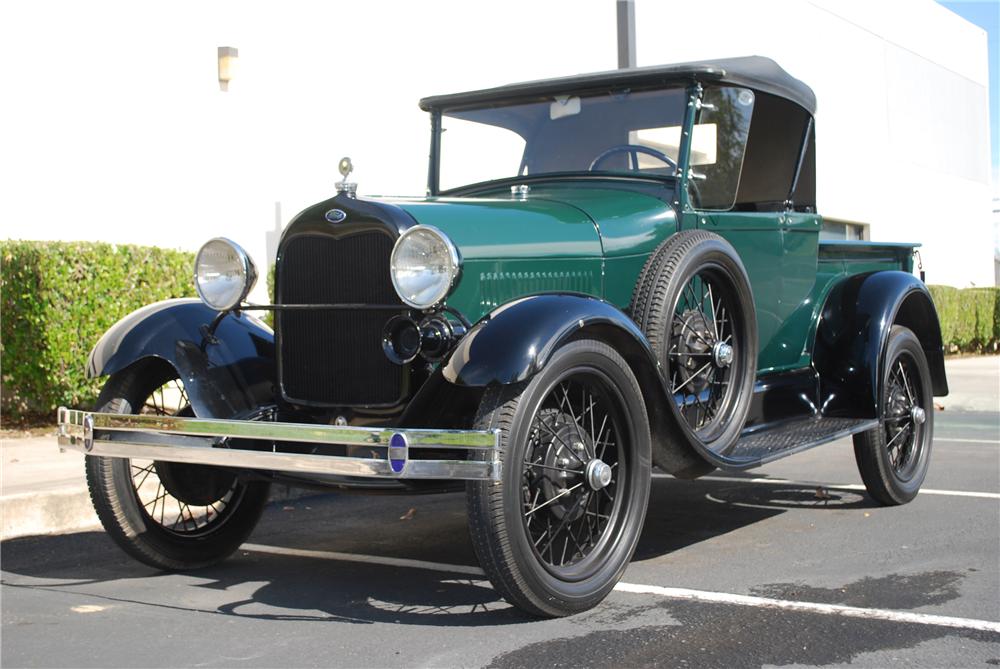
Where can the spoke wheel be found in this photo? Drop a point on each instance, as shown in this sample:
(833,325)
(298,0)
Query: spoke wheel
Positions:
(185,500)
(905,417)
(893,458)
(701,351)
(168,515)
(555,535)
(693,302)
(570,480)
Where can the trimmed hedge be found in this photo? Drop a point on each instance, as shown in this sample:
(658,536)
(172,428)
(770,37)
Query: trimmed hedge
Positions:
(970,318)
(57,299)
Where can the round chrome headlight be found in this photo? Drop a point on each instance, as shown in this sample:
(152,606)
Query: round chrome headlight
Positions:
(424,266)
(223,274)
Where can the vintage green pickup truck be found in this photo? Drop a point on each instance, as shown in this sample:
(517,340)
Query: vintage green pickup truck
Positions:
(608,272)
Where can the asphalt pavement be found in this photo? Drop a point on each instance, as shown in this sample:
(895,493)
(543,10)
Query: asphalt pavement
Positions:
(790,565)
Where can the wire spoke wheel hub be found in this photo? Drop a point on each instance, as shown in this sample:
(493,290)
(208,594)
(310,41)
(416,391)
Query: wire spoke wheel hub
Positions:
(703,348)
(904,417)
(183,499)
(570,482)
(556,534)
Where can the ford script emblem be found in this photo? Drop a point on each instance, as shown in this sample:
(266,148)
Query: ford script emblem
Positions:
(335,215)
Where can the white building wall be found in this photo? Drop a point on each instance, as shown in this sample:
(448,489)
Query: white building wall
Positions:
(902,128)
(114,128)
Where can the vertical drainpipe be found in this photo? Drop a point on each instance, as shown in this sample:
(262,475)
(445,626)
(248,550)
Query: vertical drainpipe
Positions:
(626,33)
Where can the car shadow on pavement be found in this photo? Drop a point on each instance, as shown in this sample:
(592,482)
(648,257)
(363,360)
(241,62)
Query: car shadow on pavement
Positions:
(273,586)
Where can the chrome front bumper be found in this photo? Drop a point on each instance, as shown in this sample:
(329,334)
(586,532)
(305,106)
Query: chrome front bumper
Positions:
(395,454)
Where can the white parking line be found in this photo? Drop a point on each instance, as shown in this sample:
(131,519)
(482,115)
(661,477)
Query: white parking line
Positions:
(834,486)
(992,442)
(811,607)
(660,591)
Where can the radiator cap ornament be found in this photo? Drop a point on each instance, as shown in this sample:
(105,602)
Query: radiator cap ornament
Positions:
(346,167)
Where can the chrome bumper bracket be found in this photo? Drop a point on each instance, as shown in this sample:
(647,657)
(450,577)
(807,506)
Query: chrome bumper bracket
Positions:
(203,441)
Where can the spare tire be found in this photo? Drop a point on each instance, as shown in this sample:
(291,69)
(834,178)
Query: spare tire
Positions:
(693,302)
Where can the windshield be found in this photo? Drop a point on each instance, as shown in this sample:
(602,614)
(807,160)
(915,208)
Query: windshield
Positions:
(635,133)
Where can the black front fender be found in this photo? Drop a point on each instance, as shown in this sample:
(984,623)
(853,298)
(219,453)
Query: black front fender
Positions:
(515,341)
(225,374)
(853,333)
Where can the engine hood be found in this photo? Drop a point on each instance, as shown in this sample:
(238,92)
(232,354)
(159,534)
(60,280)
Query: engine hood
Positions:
(554,221)
(488,228)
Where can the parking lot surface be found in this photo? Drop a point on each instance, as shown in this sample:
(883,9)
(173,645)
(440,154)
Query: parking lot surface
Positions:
(790,564)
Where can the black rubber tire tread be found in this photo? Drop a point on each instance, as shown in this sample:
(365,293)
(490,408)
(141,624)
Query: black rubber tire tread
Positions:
(110,484)
(641,294)
(869,447)
(487,526)
(651,313)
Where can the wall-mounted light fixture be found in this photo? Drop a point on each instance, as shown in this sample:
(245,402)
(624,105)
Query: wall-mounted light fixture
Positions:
(227,65)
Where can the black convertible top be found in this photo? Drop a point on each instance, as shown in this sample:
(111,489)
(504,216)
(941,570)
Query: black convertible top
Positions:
(755,72)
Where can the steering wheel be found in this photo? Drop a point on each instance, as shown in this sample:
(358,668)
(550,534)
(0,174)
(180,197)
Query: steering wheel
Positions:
(632,150)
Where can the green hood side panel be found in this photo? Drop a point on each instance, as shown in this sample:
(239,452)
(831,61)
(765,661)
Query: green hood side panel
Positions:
(511,248)
(560,238)
(631,224)
(484,228)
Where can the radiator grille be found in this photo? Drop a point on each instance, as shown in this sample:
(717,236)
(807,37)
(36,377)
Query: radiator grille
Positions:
(334,357)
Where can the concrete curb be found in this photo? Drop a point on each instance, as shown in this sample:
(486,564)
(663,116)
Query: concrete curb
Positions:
(53,512)
(70,510)
(44,491)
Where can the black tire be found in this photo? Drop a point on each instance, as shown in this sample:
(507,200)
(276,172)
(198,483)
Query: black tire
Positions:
(205,513)
(893,458)
(552,452)
(692,296)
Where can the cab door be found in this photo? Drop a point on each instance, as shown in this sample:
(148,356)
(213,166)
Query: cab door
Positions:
(779,252)
(767,213)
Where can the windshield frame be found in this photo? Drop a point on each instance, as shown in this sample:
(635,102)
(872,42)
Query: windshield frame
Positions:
(679,179)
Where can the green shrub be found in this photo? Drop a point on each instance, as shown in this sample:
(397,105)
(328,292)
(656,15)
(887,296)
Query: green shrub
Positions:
(57,299)
(970,317)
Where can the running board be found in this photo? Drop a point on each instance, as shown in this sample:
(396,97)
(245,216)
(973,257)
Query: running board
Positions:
(766,443)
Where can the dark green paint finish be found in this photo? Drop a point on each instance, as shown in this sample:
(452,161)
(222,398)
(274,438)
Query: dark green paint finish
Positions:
(829,272)
(630,223)
(488,284)
(562,237)
(886,255)
(779,252)
(495,228)
(620,276)
(512,248)
(791,273)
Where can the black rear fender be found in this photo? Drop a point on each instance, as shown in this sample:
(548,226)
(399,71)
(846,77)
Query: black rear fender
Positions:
(225,374)
(853,333)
